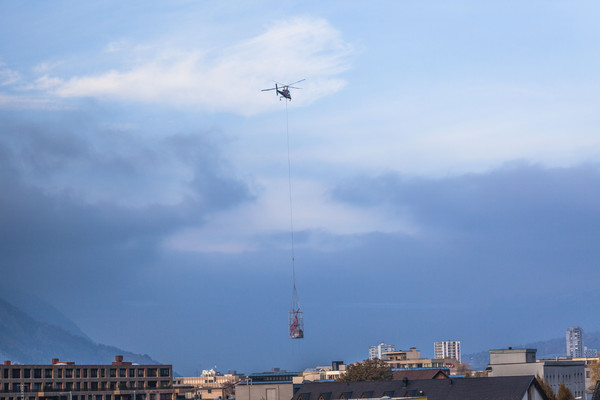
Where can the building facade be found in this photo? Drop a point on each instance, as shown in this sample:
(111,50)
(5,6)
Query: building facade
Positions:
(411,359)
(62,380)
(574,338)
(378,350)
(447,349)
(322,373)
(210,385)
(274,385)
(517,362)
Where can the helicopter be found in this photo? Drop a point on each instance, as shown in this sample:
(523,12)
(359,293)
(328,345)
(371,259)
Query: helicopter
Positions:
(283,91)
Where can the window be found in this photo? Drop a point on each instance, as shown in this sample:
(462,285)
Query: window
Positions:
(164,372)
(69,386)
(59,373)
(37,387)
(69,373)
(140,372)
(151,372)
(6,374)
(132,372)
(164,384)
(37,373)
(102,373)
(113,372)
(85,373)
(27,373)
(113,385)
(94,372)
(77,373)
(94,385)
(151,384)
(16,373)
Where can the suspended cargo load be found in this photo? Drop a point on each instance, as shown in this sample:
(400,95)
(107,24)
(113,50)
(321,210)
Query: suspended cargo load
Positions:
(296,318)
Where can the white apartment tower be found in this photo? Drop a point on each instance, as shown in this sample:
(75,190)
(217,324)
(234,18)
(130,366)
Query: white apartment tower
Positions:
(378,350)
(447,349)
(575,342)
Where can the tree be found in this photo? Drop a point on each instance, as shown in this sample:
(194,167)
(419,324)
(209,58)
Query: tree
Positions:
(564,393)
(368,370)
(462,369)
(228,389)
(546,387)
(594,367)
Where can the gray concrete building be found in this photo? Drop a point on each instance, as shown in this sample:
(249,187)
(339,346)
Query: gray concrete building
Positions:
(274,385)
(516,362)
(574,339)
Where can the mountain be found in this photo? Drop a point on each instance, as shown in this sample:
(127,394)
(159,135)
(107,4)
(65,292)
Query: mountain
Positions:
(38,309)
(26,340)
(550,348)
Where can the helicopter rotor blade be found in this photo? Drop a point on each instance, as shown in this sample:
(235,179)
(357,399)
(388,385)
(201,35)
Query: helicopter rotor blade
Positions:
(293,87)
(293,83)
(266,90)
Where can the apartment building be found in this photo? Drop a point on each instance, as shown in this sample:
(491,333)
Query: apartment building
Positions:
(574,341)
(377,351)
(65,380)
(447,349)
(411,359)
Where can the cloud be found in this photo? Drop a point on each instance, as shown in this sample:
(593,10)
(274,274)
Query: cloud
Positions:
(8,76)
(223,79)
(511,210)
(67,195)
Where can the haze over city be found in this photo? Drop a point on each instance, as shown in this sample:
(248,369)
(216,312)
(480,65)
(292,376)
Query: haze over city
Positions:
(444,167)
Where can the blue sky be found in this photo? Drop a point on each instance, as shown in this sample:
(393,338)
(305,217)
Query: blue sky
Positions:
(445,173)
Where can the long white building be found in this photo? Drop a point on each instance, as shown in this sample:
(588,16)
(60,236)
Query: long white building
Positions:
(447,349)
(378,350)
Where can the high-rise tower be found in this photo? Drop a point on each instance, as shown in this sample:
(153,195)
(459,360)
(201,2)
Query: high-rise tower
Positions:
(575,342)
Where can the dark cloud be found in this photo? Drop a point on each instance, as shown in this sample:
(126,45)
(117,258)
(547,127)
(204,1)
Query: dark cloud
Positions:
(520,200)
(66,213)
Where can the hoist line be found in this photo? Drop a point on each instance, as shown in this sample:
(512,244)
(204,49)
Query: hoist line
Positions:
(287,128)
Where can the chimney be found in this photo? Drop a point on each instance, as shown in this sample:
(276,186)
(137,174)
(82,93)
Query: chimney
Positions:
(7,362)
(55,361)
(119,359)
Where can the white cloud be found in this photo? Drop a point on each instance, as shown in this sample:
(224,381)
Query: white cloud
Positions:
(248,227)
(8,76)
(229,79)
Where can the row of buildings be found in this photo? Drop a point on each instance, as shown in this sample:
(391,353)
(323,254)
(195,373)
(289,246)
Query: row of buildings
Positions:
(444,349)
(121,380)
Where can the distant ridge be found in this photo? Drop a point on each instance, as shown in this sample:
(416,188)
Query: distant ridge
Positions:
(26,340)
(550,348)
